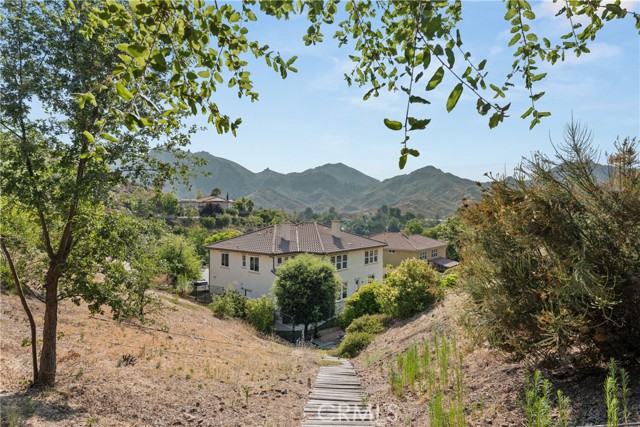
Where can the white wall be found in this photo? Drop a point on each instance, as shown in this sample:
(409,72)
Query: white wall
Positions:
(242,279)
(260,283)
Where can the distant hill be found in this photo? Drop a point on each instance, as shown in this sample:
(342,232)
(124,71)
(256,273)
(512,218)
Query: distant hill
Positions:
(428,190)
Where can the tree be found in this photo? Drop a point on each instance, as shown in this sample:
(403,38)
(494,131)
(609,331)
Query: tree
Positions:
(414,226)
(216,192)
(110,78)
(306,288)
(179,258)
(551,255)
(409,289)
(449,232)
(113,77)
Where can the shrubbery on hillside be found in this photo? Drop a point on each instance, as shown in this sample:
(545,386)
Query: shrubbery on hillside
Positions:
(360,303)
(552,256)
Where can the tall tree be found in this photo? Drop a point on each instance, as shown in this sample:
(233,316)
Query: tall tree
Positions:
(109,79)
(306,288)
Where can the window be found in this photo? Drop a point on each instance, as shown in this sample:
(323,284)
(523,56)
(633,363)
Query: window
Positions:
(224,260)
(343,291)
(248,293)
(371,278)
(434,253)
(244,261)
(339,261)
(392,251)
(279,260)
(357,285)
(423,255)
(254,263)
(370,256)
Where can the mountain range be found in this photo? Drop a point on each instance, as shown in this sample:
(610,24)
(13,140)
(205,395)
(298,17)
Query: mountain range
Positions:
(428,190)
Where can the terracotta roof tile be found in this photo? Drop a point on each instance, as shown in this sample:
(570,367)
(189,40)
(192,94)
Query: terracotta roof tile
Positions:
(412,242)
(305,237)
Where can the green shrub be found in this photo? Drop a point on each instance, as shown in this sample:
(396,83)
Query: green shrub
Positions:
(229,304)
(409,289)
(353,344)
(551,254)
(260,313)
(370,323)
(449,280)
(359,304)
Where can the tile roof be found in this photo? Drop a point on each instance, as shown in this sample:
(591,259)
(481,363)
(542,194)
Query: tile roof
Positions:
(307,237)
(444,262)
(412,242)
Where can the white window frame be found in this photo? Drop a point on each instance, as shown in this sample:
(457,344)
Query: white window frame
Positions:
(254,264)
(423,254)
(392,251)
(224,260)
(340,262)
(434,251)
(244,261)
(343,291)
(370,257)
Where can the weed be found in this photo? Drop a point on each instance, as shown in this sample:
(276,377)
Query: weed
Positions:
(538,405)
(247,393)
(611,395)
(126,360)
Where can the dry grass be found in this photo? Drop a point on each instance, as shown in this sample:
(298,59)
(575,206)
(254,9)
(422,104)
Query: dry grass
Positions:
(184,367)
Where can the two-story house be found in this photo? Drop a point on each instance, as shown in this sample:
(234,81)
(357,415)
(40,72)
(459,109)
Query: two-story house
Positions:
(400,246)
(249,262)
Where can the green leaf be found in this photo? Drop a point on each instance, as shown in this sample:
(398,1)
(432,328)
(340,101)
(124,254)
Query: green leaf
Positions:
(515,39)
(450,57)
(414,99)
(158,62)
(235,17)
(494,120)
(454,97)
(393,125)
(204,74)
(510,14)
(109,137)
(436,79)
(89,137)
(482,64)
(123,92)
(418,124)
(137,51)
(527,113)
(403,161)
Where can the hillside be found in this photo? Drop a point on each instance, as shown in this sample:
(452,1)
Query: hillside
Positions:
(429,190)
(494,385)
(191,369)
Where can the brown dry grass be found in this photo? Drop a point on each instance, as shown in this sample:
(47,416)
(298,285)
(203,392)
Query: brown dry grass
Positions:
(495,384)
(191,369)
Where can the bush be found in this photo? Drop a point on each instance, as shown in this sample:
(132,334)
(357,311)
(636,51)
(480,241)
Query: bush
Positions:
(353,344)
(551,255)
(184,287)
(260,313)
(359,304)
(370,323)
(449,280)
(229,304)
(409,289)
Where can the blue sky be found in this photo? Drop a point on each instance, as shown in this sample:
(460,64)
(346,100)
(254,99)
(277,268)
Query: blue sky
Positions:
(313,117)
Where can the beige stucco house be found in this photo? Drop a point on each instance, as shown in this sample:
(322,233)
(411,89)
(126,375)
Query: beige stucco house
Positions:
(249,262)
(401,246)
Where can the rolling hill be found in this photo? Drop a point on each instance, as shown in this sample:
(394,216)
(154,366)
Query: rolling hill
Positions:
(429,190)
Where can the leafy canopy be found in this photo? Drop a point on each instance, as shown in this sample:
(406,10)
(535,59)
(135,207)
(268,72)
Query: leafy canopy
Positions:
(306,288)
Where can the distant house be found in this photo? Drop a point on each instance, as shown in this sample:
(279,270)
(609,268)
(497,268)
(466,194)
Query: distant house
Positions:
(249,262)
(187,204)
(401,246)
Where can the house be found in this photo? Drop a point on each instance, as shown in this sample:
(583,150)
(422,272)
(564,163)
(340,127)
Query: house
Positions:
(401,246)
(249,262)
(198,204)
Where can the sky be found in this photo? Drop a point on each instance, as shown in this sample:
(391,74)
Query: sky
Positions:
(313,117)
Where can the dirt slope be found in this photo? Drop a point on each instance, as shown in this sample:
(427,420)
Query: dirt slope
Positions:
(190,369)
(494,384)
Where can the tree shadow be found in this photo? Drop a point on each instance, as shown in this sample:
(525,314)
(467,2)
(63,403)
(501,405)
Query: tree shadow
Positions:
(27,404)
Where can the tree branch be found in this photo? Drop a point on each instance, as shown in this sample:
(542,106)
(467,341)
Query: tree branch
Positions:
(25,306)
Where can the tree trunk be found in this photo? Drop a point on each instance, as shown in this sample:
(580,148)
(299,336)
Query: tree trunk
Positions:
(27,310)
(48,357)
